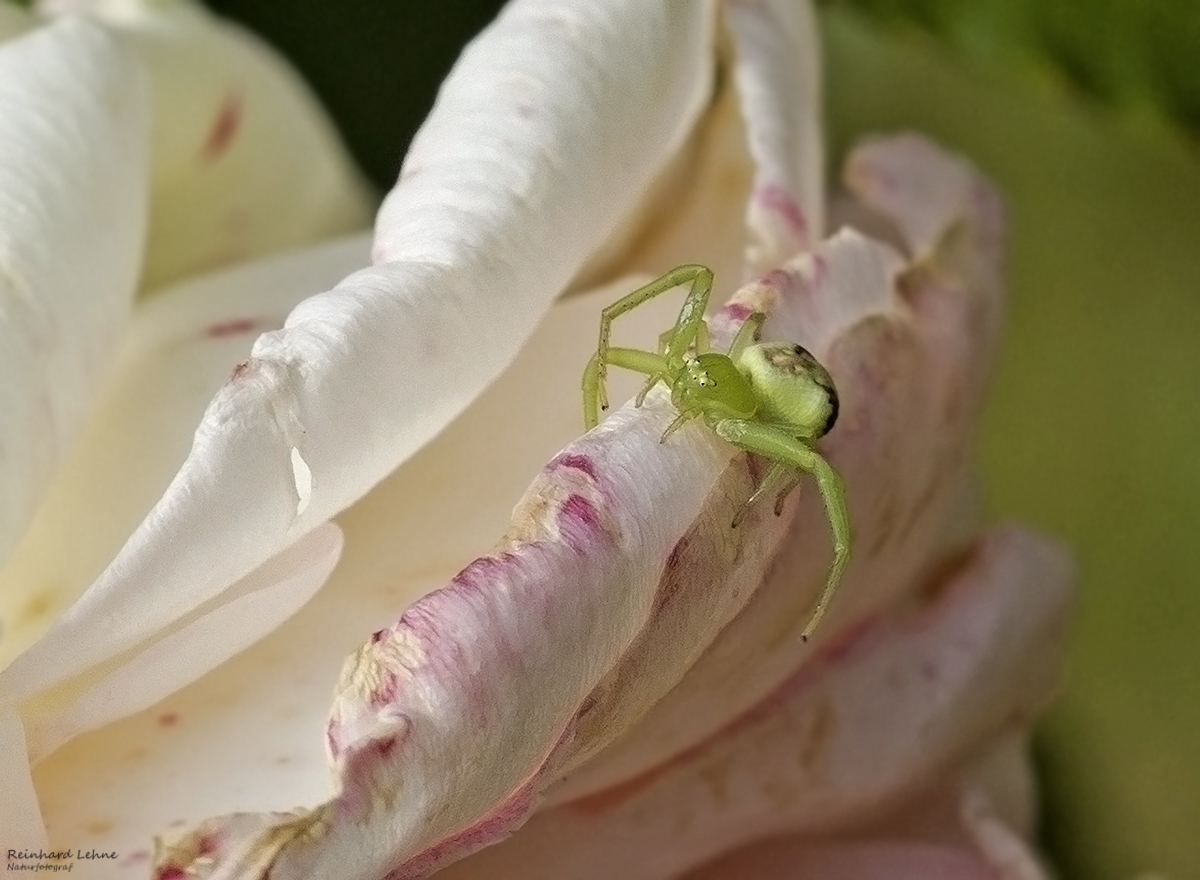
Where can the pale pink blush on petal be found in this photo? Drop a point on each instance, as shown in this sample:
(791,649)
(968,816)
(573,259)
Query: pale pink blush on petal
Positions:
(776,71)
(910,352)
(871,720)
(869,860)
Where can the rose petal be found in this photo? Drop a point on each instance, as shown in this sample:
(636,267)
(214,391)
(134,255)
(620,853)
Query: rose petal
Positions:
(871,860)
(73,172)
(757,136)
(181,347)
(411,703)
(245,160)
(778,76)
(248,735)
(486,227)
(940,834)
(864,725)
(238,618)
(22,822)
(713,571)
(910,360)
(692,212)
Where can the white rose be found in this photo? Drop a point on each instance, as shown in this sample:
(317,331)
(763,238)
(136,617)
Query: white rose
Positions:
(623,674)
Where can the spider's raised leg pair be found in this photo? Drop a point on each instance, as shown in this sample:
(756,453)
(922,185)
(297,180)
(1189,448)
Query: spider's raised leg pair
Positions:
(769,398)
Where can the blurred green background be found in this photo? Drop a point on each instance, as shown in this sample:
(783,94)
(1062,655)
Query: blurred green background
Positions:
(1087,114)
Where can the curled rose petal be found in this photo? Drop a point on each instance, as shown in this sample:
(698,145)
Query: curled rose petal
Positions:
(248,734)
(910,352)
(177,351)
(780,91)
(866,722)
(73,182)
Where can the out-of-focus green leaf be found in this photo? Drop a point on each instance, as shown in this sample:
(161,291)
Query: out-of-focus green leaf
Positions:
(1140,55)
(1094,428)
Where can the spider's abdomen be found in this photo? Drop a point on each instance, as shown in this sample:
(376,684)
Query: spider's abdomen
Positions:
(793,389)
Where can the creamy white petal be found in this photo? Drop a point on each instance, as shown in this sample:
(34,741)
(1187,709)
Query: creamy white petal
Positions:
(73,179)
(494,215)
(244,159)
(236,619)
(22,826)
(181,347)
(778,75)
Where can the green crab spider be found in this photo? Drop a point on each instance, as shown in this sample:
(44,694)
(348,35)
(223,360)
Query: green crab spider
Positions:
(769,398)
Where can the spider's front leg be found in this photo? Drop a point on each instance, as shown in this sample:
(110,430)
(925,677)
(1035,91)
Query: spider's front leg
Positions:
(773,443)
(653,365)
(680,338)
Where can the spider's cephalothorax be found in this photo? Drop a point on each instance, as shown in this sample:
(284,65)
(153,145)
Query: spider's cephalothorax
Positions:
(770,398)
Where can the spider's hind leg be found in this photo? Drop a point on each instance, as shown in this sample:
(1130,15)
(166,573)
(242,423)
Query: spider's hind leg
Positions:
(789,452)
(780,478)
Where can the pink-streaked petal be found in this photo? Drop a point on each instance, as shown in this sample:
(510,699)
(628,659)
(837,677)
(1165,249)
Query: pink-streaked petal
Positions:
(180,348)
(244,159)
(455,677)
(910,354)
(870,721)
(777,70)
(249,735)
(491,219)
(73,171)
(713,571)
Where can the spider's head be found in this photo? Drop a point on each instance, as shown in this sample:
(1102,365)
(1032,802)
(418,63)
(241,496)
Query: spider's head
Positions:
(793,389)
(712,384)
